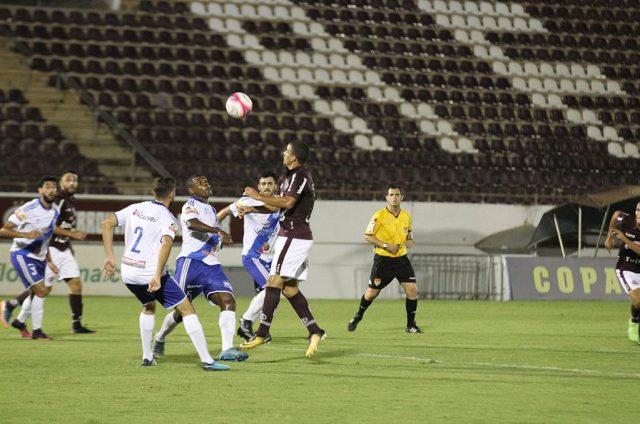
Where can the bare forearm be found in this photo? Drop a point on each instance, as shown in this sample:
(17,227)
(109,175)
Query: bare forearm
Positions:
(10,233)
(195,225)
(163,255)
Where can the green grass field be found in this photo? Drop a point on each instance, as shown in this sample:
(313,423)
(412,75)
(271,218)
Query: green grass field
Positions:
(484,362)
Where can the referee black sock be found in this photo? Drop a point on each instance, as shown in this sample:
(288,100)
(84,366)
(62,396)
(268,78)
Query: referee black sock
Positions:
(635,314)
(364,304)
(411,305)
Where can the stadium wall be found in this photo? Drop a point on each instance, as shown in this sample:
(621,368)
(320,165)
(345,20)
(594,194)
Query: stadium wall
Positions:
(340,260)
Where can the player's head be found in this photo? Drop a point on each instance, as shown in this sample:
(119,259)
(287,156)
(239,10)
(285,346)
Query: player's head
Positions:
(296,153)
(198,185)
(164,188)
(47,188)
(267,183)
(69,181)
(394,194)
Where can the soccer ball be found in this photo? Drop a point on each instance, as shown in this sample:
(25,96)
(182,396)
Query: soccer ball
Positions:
(238,105)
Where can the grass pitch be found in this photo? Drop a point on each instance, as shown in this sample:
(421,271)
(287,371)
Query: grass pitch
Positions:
(483,362)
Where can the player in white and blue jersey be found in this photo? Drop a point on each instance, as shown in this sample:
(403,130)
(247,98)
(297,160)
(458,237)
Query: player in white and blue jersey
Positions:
(260,233)
(149,231)
(31,226)
(198,269)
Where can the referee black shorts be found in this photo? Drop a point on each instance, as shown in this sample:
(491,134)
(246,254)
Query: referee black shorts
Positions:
(386,268)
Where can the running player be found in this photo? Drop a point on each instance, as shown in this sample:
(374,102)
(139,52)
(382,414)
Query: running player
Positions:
(295,239)
(31,226)
(149,231)
(260,232)
(198,269)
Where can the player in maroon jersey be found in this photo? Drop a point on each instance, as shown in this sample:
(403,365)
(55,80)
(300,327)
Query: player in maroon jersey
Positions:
(289,266)
(626,228)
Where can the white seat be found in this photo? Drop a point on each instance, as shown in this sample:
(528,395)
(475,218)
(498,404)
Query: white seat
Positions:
(455,6)
(342,124)
(271,73)
(502,9)
(480,51)
(374,93)
(555,101)
(316,29)
(340,108)
(355,77)
(458,21)
(337,60)
(338,76)
(448,145)
(286,58)
(305,74)
(442,20)
(251,41)
(461,35)
(247,10)
(631,150)
(444,127)
(391,94)
(265,12)
(361,141)
(231,9)
(474,22)
(233,25)
(289,90)
(578,71)
(353,61)
(583,86)
(288,74)
(488,22)
(562,70)
(439,6)
(574,116)
(515,69)
(466,145)
(505,23)
(594,133)
(378,142)
(409,110)
(306,91)
(281,12)
(425,111)
(319,44)
(550,85)
(360,126)
(531,68)
(547,70)
(216,24)
(214,9)
(471,7)
(614,87)
(300,28)
(598,87)
(321,75)
(297,13)
(615,149)
(520,24)
(425,5)
(322,107)
(336,45)
(567,85)
(487,8)
(539,99)
(372,77)
(235,40)
(252,56)
(499,68)
(593,71)
(303,58)
(610,133)
(428,127)
(534,84)
(320,60)
(536,25)
(477,37)
(269,57)
(589,117)
(519,84)
(198,8)
(495,51)
(517,9)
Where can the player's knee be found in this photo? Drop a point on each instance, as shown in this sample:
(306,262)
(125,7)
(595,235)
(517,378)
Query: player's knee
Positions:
(39,289)
(149,308)
(371,294)
(75,285)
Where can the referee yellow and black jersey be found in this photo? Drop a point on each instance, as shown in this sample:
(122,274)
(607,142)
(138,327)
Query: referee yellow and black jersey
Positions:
(390,229)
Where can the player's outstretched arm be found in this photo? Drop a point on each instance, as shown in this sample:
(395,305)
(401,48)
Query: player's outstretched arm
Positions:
(8,231)
(74,234)
(285,202)
(109,266)
(197,225)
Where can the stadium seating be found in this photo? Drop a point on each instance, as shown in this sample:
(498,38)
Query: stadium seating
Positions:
(460,100)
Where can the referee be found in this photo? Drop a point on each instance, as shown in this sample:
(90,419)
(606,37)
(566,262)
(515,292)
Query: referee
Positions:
(390,232)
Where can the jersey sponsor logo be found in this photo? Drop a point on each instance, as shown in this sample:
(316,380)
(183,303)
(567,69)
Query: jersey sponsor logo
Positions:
(265,248)
(137,263)
(21,215)
(191,210)
(141,215)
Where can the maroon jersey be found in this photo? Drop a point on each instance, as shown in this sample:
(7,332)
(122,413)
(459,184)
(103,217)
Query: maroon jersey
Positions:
(294,222)
(66,219)
(628,260)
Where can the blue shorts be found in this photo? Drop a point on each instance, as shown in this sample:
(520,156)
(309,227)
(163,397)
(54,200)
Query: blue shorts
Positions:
(30,271)
(195,277)
(169,295)
(258,269)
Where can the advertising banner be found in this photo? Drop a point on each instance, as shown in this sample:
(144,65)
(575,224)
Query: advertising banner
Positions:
(563,278)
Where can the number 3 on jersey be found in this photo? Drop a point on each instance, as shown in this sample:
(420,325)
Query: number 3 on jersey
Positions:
(138,231)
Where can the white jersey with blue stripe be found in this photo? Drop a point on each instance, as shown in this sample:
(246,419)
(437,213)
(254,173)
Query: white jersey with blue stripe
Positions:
(200,245)
(145,224)
(33,216)
(260,230)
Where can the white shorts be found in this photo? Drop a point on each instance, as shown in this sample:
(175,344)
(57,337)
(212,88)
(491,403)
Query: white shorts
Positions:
(66,263)
(133,275)
(628,280)
(290,258)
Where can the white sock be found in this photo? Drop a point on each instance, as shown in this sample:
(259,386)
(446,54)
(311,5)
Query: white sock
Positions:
(37,312)
(147,322)
(168,325)
(25,311)
(255,307)
(196,334)
(227,323)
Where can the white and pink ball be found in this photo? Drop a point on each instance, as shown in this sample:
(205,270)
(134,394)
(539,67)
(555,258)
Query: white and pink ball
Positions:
(238,105)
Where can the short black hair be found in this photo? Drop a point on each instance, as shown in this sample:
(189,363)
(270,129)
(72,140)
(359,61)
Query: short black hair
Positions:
(70,171)
(267,173)
(392,185)
(300,150)
(45,179)
(163,186)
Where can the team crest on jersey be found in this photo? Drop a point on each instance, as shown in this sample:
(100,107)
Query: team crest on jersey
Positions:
(173,227)
(21,215)
(372,225)
(377,281)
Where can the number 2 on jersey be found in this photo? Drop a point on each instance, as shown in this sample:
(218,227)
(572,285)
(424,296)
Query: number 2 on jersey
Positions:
(137,230)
